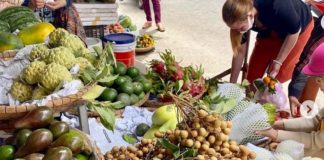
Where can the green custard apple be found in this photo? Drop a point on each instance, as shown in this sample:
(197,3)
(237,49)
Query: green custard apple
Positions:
(53,75)
(61,55)
(20,91)
(33,71)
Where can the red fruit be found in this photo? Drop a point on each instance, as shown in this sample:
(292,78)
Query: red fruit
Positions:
(158,67)
(178,75)
(195,90)
(186,86)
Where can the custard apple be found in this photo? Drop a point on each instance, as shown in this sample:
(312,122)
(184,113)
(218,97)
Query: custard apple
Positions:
(75,44)
(38,52)
(53,75)
(39,93)
(61,55)
(20,91)
(83,63)
(33,71)
(56,36)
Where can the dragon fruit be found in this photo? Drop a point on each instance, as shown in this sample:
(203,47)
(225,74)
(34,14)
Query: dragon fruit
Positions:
(158,67)
(172,67)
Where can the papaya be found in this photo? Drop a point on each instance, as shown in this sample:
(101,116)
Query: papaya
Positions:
(59,128)
(58,153)
(34,156)
(72,140)
(36,33)
(38,141)
(9,41)
(37,118)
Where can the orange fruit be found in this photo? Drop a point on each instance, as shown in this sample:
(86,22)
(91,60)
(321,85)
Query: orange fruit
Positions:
(266,80)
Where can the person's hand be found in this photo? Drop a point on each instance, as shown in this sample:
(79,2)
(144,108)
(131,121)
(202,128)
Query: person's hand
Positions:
(38,3)
(56,4)
(274,68)
(271,133)
(294,106)
(278,125)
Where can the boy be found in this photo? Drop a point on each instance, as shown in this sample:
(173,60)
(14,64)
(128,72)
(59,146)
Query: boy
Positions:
(303,130)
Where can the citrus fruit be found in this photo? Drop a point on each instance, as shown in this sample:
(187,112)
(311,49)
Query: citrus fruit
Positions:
(141,129)
(120,69)
(138,87)
(109,94)
(133,72)
(124,98)
(127,87)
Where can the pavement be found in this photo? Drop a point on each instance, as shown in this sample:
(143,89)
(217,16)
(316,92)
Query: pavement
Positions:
(195,32)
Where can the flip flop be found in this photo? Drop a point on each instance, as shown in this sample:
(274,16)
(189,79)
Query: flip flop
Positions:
(147,25)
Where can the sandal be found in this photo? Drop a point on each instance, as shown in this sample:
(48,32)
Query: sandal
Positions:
(160,27)
(147,25)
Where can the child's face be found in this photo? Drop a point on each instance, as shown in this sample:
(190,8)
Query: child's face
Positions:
(320,82)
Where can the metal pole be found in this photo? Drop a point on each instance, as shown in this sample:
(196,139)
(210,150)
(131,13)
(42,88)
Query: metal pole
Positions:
(83,118)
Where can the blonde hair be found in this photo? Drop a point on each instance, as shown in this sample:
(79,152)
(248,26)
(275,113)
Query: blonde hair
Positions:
(235,11)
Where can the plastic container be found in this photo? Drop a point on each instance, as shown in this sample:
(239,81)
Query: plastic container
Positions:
(124,47)
(92,42)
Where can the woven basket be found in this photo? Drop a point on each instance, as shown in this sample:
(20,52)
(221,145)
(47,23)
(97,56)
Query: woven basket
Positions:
(7,55)
(58,105)
(118,113)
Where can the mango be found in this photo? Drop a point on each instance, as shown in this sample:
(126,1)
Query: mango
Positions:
(22,136)
(163,114)
(37,118)
(72,140)
(169,125)
(59,128)
(150,133)
(58,153)
(36,33)
(34,156)
(38,141)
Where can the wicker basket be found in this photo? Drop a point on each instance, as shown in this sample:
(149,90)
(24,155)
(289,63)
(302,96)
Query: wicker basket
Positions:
(118,113)
(58,105)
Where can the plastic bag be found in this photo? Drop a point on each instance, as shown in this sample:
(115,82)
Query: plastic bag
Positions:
(265,94)
(293,148)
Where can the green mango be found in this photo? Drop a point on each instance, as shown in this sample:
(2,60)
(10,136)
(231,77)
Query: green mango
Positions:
(58,153)
(38,118)
(34,156)
(7,152)
(38,141)
(22,136)
(10,140)
(87,146)
(72,140)
(81,157)
(59,128)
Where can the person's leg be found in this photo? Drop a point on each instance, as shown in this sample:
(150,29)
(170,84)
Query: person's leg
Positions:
(147,10)
(290,62)
(157,14)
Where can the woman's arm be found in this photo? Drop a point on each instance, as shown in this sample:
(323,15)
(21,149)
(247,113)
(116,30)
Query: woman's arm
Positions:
(237,62)
(313,140)
(285,49)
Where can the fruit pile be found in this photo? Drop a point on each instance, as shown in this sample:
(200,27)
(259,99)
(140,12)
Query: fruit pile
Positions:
(144,41)
(168,75)
(49,67)
(39,137)
(127,23)
(128,86)
(266,82)
(201,135)
(115,28)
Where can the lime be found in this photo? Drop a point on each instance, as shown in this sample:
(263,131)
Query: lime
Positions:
(7,152)
(134,98)
(124,98)
(120,80)
(141,129)
(138,87)
(127,87)
(109,94)
(133,72)
(141,95)
(81,157)
(138,78)
(121,68)
(147,85)
(112,69)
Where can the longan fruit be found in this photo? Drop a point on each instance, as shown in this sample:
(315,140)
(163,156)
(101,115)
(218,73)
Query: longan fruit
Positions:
(202,132)
(229,124)
(211,139)
(252,155)
(213,158)
(160,156)
(158,134)
(177,132)
(189,143)
(204,147)
(234,148)
(223,125)
(211,151)
(245,151)
(194,133)
(210,118)
(184,134)
(197,144)
(115,149)
(216,123)
(217,148)
(200,157)
(139,153)
(225,145)
(202,113)
(218,143)
(225,151)
(200,138)
(145,150)
(227,131)
(196,125)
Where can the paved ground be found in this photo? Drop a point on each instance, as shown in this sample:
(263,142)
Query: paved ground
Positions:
(195,32)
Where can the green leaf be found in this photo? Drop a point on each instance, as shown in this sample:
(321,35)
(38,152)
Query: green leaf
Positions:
(118,105)
(107,117)
(245,83)
(179,85)
(129,138)
(189,153)
(103,73)
(108,79)
(168,145)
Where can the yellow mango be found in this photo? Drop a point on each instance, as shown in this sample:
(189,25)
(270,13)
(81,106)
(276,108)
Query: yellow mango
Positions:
(163,114)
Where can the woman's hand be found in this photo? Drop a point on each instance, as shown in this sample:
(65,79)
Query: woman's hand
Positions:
(294,106)
(278,125)
(56,4)
(36,4)
(271,133)
(274,68)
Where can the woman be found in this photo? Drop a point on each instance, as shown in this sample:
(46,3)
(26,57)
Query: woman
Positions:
(157,14)
(283,29)
(304,130)
(61,13)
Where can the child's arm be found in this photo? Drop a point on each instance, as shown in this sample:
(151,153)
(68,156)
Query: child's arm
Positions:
(313,140)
